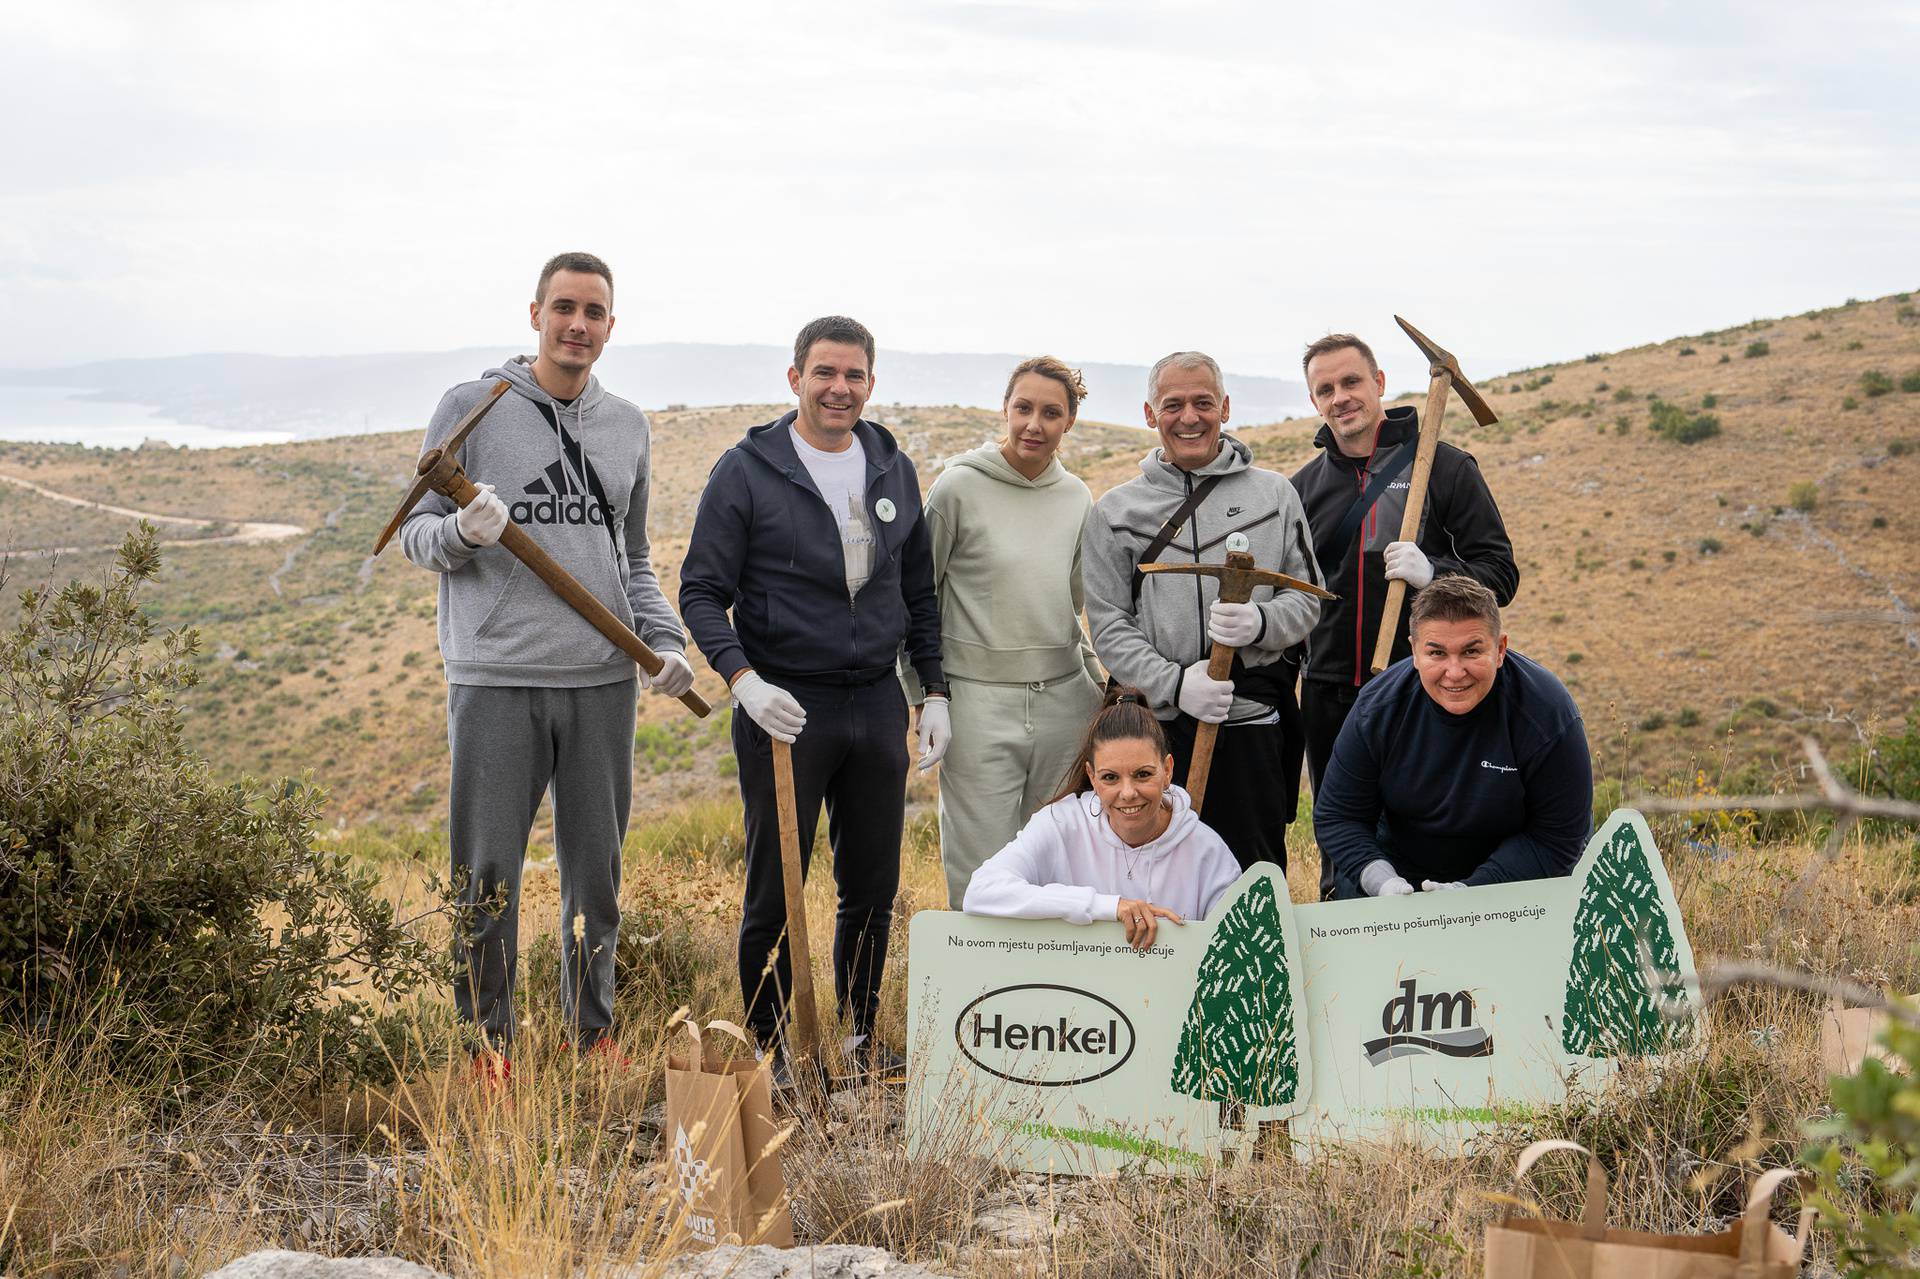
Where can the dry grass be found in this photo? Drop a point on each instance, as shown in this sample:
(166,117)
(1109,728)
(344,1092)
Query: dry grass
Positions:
(559,1175)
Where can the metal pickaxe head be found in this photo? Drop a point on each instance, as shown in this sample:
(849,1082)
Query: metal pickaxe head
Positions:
(1441,361)
(432,473)
(1238,577)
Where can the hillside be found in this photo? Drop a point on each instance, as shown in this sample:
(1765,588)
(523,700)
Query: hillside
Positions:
(1707,602)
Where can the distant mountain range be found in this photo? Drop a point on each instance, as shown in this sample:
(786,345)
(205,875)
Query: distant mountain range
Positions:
(315,396)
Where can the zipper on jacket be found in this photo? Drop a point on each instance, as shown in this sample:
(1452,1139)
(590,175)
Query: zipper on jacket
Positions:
(1367,526)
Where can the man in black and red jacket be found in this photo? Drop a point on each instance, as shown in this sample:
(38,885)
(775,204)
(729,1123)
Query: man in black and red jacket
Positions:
(1355,493)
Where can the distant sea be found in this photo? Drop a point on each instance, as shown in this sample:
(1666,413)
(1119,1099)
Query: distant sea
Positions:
(63,415)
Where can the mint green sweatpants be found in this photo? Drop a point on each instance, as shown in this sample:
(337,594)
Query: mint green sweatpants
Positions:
(1012,744)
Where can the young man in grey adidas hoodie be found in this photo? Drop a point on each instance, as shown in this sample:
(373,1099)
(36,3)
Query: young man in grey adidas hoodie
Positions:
(1156,630)
(536,697)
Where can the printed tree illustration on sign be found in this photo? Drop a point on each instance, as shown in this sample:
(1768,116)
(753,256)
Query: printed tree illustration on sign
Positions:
(1609,1009)
(1238,1045)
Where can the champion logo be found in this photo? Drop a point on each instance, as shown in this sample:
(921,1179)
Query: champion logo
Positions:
(1498,768)
(556,498)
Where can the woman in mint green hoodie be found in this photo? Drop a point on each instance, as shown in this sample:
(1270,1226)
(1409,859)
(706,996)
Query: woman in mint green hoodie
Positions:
(1005,520)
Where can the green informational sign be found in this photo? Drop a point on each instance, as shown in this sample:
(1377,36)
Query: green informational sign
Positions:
(1055,1047)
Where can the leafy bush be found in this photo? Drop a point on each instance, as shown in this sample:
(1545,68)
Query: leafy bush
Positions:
(1849,403)
(1900,447)
(1672,422)
(195,926)
(1910,382)
(1687,350)
(1709,546)
(1875,383)
(1804,495)
(1873,1136)
(1757,349)
(1709,400)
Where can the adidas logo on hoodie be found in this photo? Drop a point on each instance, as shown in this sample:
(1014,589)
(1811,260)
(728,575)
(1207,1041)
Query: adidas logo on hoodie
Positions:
(553,499)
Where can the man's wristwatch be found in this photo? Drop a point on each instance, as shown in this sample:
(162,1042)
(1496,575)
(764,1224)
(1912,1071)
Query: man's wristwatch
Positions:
(935,690)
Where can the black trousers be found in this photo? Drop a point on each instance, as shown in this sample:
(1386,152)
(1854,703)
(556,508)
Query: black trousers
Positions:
(1324,707)
(852,756)
(1253,786)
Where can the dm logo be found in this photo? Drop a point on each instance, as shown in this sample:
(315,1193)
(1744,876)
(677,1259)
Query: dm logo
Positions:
(1445,1026)
(1044,1035)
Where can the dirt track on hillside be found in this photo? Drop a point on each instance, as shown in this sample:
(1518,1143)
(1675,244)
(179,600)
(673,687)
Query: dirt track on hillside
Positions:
(245,532)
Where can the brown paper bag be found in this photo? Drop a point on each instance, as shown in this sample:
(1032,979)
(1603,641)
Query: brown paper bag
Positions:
(1848,1036)
(723,1148)
(1532,1248)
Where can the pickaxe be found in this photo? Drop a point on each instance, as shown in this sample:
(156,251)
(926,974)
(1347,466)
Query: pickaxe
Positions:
(440,472)
(1237,577)
(1444,375)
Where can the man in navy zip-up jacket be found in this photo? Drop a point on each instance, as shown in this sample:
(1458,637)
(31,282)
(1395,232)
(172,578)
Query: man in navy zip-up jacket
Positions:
(1466,764)
(808,569)
(1366,452)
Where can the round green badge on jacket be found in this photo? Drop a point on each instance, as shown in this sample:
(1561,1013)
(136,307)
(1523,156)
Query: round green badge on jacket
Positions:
(884,508)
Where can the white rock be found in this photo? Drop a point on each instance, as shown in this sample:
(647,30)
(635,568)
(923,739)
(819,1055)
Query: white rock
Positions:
(280,1264)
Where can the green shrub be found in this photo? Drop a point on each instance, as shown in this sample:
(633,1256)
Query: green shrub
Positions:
(1672,422)
(1710,546)
(1854,345)
(1849,403)
(1879,521)
(1669,556)
(1872,1139)
(1688,717)
(1910,382)
(196,927)
(1875,383)
(1757,349)
(1728,359)
(1900,448)
(1906,314)
(1653,723)
(1804,495)
(1622,394)
(1687,350)
(1709,401)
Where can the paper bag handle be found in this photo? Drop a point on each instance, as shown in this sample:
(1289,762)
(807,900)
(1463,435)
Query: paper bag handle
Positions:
(1593,1220)
(719,1024)
(1753,1222)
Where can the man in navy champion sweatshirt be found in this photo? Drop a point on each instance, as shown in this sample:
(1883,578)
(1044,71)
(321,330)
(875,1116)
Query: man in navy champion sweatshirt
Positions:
(1464,765)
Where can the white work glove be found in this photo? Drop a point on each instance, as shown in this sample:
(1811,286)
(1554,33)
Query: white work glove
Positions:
(773,709)
(1203,697)
(1435,886)
(1379,879)
(1235,625)
(675,677)
(936,732)
(481,521)
(1409,563)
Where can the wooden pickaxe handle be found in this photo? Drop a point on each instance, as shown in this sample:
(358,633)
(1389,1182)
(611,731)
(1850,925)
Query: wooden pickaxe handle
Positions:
(1219,666)
(460,491)
(805,1017)
(1438,388)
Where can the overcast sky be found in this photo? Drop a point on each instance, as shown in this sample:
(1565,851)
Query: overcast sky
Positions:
(1104,180)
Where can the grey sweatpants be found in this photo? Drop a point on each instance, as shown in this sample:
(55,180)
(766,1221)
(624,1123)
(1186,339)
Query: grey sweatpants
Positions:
(1011,747)
(508,745)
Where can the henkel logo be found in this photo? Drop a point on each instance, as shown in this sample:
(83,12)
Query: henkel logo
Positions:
(1045,1035)
(552,499)
(1417,1024)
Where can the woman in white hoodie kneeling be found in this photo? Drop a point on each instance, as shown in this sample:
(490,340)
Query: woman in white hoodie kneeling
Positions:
(1120,841)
